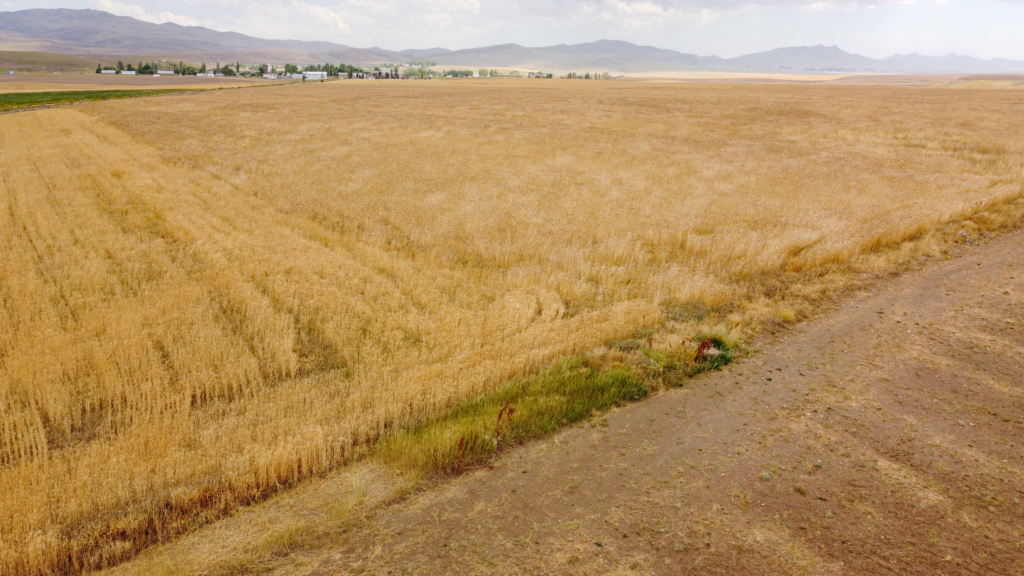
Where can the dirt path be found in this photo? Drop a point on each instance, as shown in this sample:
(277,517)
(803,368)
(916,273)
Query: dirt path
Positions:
(884,438)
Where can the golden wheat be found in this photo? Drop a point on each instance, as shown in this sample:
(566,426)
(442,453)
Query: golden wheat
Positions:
(207,298)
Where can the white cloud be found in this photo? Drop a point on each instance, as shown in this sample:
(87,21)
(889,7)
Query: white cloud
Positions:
(138,12)
(321,13)
(708,6)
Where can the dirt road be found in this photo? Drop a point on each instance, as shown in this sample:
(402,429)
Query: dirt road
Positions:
(885,437)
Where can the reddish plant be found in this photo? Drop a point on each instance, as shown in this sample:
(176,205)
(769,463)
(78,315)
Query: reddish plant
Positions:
(500,430)
(702,351)
(504,421)
(460,464)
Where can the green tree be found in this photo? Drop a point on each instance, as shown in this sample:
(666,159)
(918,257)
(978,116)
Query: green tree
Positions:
(202,69)
(99,68)
(120,67)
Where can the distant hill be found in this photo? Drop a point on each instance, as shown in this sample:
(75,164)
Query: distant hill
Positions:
(92,32)
(808,58)
(600,55)
(626,57)
(954,63)
(832,58)
(95,33)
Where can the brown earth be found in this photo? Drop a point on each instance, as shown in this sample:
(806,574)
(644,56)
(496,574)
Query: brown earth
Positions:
(883,438)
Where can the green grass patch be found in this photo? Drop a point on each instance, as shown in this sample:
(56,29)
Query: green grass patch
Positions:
(32,99)
(568,392)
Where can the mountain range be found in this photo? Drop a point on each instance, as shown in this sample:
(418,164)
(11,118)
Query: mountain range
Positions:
(96,33)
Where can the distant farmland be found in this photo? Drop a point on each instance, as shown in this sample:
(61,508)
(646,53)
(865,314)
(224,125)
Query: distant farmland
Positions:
(207,299)
(25,100)
(44,62)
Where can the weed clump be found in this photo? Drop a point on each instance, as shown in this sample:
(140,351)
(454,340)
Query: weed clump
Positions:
(692,357)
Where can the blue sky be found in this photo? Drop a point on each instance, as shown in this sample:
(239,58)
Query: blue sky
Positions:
(876,28)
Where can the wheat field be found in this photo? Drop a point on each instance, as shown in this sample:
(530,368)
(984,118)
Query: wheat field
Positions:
(206,299)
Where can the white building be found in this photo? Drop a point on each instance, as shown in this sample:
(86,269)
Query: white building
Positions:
(108,71)
(315,75)
(270,76)
(128,73)
(165,72)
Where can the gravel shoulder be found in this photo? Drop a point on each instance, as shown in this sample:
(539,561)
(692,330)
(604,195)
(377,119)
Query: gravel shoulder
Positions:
(886,436)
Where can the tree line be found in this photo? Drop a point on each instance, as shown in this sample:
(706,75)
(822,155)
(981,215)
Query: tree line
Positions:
(412,70)
(588,76)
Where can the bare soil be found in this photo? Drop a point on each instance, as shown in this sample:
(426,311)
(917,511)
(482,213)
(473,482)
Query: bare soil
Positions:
(885,437)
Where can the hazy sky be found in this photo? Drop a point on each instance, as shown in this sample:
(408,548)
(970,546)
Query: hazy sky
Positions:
(876,28)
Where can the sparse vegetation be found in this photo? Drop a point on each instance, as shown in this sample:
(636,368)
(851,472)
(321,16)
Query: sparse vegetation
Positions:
(196,316)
